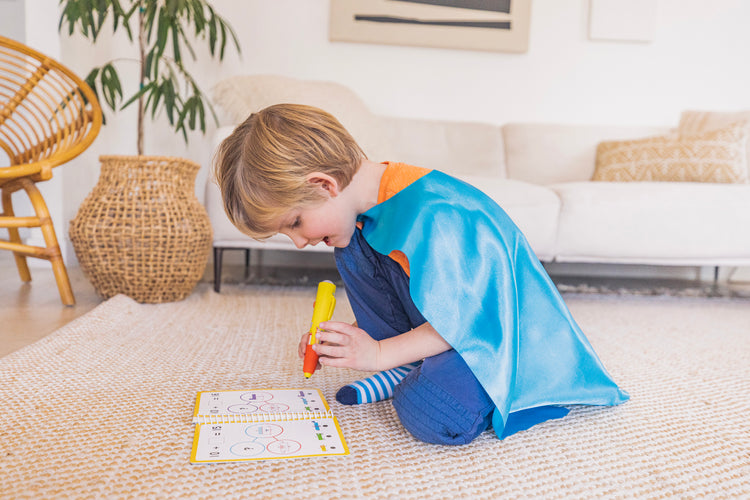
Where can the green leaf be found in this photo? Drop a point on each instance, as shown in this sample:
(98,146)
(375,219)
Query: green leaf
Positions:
(226,27)
(146,102)
(176,45)
(186,41)
(199,18)
(202,116)
(168,92)
(171,8)
(148,18)
(69,14)
(126,15)
(88,17)
(91,78)
(181,121)
(212,35)
(102,9)
(91,82)
(111,87)
(156,94)
(223,41)
(162,34)
(137,95)
(150,69)
(184,133)
(193,104)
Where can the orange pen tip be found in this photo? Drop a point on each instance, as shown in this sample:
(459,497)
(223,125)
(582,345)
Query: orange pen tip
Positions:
(308,375)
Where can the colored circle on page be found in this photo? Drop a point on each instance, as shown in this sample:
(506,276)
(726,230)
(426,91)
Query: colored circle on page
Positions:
(263,430)
(284,447)
(247,449)
(274,407)
(256,397)
(242,409)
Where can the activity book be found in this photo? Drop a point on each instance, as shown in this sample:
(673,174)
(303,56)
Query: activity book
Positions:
(264,424)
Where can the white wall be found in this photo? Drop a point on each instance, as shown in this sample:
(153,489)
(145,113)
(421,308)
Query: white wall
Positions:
(11,19)
(698,59)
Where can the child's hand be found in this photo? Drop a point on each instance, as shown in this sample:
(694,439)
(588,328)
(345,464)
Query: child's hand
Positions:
(346,346)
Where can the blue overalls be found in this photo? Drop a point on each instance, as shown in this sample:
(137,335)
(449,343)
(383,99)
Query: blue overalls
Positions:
(441,401)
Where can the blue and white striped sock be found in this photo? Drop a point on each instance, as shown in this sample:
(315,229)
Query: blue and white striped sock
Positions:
(374,388)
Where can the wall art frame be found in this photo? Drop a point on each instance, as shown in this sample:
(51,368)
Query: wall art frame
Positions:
(486,25)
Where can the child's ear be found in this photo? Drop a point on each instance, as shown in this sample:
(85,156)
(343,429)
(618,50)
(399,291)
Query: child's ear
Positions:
(324,182)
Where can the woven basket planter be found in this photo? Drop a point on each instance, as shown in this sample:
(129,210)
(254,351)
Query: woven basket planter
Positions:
(141,231)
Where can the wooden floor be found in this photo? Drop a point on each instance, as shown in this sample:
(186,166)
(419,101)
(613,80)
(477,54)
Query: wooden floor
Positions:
(29,311)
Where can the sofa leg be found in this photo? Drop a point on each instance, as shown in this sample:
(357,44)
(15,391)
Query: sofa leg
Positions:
(716,275)
(247,263)
(218,252)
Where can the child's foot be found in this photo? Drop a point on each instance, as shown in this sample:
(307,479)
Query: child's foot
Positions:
(374,388)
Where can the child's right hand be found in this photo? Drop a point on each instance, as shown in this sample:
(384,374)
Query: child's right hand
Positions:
(303,344)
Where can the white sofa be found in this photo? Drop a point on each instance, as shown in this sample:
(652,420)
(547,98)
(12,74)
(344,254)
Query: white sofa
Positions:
(539,173)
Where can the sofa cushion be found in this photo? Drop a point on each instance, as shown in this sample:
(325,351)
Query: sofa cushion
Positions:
(715,156)
(533,208)
(451,147)
(652,223)
(543,153)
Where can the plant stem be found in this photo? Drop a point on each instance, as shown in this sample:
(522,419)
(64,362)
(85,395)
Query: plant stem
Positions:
(142,49)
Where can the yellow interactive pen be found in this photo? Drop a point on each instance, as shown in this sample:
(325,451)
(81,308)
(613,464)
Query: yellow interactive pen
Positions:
(325,301)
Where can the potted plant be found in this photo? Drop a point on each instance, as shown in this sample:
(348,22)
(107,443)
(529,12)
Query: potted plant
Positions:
(142,231)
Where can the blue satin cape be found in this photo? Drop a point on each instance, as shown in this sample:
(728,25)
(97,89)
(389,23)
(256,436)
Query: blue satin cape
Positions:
(476,280)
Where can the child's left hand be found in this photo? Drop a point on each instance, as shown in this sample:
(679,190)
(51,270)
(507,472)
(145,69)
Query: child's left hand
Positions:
(346,346)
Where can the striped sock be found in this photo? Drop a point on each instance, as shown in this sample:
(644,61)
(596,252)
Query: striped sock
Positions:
(374,388)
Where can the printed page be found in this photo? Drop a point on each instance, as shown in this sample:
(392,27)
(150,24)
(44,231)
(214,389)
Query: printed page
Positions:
(258,402)
(267,440)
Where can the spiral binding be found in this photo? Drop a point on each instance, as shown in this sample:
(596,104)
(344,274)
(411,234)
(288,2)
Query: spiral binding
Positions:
(252,418)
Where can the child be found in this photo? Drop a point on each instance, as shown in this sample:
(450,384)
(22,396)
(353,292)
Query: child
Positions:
(449,298)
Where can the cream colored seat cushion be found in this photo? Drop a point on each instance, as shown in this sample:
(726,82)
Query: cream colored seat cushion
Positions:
(654,222)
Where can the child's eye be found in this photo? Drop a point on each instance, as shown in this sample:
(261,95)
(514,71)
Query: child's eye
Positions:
(296,222)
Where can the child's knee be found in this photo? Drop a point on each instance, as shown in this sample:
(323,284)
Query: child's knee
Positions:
(433,415)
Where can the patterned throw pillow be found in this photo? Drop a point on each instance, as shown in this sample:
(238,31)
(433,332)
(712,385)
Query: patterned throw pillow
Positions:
(716,156)
(694,122)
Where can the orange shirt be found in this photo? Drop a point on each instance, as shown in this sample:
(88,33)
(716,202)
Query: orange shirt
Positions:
(396,177)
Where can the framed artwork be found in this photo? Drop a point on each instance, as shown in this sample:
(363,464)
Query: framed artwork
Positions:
(491,25)
(622,20)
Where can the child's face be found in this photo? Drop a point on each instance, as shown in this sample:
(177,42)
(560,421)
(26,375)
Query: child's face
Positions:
(330,222)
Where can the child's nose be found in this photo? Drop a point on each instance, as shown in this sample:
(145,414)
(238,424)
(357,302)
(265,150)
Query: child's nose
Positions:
(299,242)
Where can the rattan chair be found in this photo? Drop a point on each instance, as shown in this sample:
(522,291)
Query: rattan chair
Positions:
(48,116)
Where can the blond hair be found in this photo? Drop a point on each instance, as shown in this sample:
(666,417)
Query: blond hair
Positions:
(262,167)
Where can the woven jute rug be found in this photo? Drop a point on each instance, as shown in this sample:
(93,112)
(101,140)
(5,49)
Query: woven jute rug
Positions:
(102,408)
